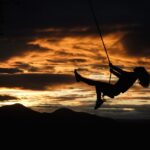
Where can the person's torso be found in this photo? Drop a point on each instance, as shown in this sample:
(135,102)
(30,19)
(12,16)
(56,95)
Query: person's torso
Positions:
(125,82)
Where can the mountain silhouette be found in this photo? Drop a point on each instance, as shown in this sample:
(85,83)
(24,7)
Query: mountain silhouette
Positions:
(63,115)
(19,116)
(62,121)
(16,110)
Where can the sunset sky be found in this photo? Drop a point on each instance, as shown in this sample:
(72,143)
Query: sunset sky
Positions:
(42,42)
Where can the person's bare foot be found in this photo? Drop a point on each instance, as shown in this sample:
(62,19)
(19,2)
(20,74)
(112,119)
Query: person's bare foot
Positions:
(77,76)
(98,104)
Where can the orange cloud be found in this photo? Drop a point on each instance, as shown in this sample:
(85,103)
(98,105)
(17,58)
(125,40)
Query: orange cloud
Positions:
(84,52)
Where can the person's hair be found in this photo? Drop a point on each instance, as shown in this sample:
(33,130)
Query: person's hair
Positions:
(143,76)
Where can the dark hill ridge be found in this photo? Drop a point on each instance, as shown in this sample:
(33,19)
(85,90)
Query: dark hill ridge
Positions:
(18,111)
(20,117)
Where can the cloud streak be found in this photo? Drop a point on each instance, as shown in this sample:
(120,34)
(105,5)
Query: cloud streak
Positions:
(34,81)
(7,98)
(10,70)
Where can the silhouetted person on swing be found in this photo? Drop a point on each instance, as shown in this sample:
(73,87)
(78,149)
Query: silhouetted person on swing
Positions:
(126,80)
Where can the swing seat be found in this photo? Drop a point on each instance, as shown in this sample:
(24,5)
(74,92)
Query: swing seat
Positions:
(111,93)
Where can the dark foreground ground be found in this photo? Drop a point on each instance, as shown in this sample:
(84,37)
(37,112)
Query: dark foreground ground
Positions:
(19,123)
(65,128)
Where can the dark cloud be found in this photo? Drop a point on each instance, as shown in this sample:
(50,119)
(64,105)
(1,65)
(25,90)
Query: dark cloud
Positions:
(77,60)
(7,98)
(63,53)
(137,42)
(10,70)
(26,66)
(15,47)
(34,81)
(56,61)
(26,20)
(38,13)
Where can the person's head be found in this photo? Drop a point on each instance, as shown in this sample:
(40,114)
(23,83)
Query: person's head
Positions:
(143,76)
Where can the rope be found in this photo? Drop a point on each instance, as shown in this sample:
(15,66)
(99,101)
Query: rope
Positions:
(100,33)
(98,28)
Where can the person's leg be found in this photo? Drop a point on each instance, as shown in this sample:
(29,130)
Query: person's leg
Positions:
(85,80)
(91,82)
(101,87)
(98,93)
(99,100)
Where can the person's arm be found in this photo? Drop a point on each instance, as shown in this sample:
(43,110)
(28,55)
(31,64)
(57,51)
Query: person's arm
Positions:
(117,69)
(115,73)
